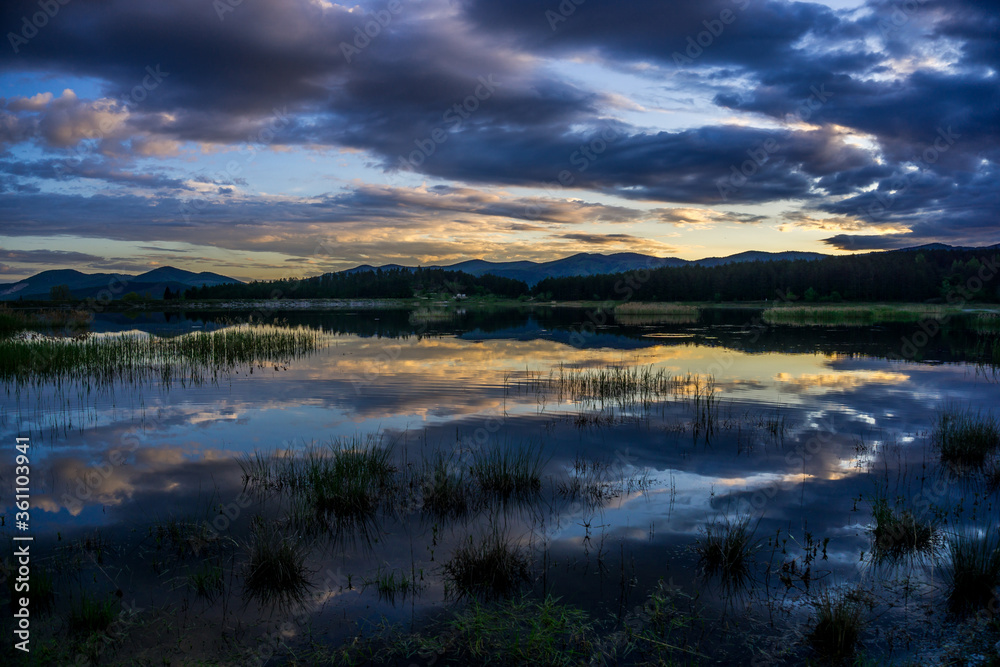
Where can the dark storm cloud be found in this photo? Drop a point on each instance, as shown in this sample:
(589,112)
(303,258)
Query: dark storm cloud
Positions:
(470,91)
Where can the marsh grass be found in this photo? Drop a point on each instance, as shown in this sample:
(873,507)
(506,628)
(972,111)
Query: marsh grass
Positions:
(87,615)
(103,359)
(897,533)
(973,568)
(494,567)
(390,584)
(342,485)
(727,548)
(275,571)
(508,471)
(207,580)
(596,483)
(638,314)
(839,622)
(854,315)
(445,491)
(520,631)
(966,438)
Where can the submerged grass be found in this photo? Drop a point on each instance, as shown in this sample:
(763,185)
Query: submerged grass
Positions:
(102,359)
(275,569)
(520,631)
(445,491)
(494,567)
(88,615)
(507,470)
(839,622)
(637,314)
(973,569)
(857,315)
(727,548)
(897,533)
(966,438)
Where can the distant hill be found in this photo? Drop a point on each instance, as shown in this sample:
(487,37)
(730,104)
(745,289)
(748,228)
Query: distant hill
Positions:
(86,285)
(590,264)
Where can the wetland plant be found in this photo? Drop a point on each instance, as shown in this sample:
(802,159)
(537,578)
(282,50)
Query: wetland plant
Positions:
(206,581)
(898,533)
(444,489)
(839,622)
(973,569)
(727,548)
(91,615)
(492,568)
(275,569)
(508,471)
(966,438)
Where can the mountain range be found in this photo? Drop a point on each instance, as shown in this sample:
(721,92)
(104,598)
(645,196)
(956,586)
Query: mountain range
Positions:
(91,285)
(587,264)
(83,285)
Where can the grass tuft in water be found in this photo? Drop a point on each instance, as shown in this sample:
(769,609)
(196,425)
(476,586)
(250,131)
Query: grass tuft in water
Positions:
(275,570)
(727,548)
(495,567)
(444,488)
(508,471)
(90,615)
(206,581)
(839,622)
(966,438)
(898,533)
(973,569)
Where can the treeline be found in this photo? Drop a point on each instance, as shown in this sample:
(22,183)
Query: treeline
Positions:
(902,275)
(378,284)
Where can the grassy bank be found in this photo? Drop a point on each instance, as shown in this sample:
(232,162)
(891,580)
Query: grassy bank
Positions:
(102,359)
(855,314)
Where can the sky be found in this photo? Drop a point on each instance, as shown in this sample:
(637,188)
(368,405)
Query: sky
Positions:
(283,138)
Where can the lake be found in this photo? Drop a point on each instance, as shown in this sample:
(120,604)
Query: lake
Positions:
(640,443)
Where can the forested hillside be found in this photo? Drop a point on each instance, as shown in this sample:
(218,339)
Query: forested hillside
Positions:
(384,284)
(902,275)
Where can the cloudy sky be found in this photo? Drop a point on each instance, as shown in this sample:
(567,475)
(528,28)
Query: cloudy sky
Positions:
(269,138)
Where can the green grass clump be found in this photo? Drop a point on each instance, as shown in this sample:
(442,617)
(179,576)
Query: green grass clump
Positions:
(444,488)
(495,567)
(390,584)
(973,569)
(507,471)
(898,533)
(637,314)
(513,632)
(89,615)
(206,580)
(966,438)
(839,622)
(853,315)
(275,569)
(104,359)
(727,549)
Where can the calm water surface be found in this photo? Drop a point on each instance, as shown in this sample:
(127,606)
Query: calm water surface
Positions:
(809,424)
